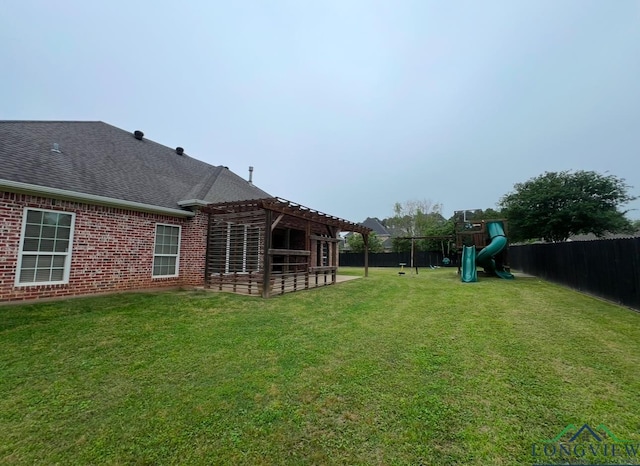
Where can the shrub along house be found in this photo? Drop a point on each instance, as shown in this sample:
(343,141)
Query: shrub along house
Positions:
(86,208)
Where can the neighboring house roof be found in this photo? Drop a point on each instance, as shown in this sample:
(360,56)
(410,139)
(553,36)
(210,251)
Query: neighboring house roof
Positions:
(98,159)
(592,237)
(376,226)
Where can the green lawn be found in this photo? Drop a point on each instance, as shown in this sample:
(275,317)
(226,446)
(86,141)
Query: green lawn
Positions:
(384,370)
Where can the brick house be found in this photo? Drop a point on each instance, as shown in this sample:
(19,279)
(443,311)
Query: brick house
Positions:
(86,207)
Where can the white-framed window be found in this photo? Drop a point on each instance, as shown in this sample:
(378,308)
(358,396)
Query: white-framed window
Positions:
(166,251)
(45,247)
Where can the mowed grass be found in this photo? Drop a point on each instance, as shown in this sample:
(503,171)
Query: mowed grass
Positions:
(414,369)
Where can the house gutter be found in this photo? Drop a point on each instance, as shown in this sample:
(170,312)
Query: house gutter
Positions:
(63,194)
(193,203)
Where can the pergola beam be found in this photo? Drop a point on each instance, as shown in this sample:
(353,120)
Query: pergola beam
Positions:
(266,272)
(273,225)
(291,209)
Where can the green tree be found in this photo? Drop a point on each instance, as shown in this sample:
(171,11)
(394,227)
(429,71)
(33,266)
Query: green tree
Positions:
(417,218)
(556,205)
(410,218)
(400,244)
(356,243)
(435,225)
(477,214)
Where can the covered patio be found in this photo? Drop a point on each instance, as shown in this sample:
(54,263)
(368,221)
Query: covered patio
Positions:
(272,246)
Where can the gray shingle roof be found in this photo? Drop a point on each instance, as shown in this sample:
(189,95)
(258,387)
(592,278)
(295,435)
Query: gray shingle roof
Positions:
(100,159)
(376,226)
(593,237)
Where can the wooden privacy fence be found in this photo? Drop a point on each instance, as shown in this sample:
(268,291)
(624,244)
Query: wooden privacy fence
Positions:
(606,268)
(421,259)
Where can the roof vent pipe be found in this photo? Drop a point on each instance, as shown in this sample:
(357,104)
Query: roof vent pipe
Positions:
(138,135)
(251,175)
(179,150)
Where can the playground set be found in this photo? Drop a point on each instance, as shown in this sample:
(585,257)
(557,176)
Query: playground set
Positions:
(481,243)
(477,242)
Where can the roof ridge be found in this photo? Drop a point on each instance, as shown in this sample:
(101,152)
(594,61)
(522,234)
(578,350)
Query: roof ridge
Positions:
(109,125)
(184,154)
(53,121)
(101,159)
(208,182)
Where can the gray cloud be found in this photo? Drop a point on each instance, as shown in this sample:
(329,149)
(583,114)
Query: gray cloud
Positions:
(346,107)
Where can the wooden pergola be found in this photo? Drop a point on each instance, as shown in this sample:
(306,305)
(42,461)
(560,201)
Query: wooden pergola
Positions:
(273,246)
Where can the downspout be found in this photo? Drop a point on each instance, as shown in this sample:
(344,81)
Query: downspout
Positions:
(207,278)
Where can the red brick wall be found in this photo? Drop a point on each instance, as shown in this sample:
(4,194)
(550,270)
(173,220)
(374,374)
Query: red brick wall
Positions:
(112,249)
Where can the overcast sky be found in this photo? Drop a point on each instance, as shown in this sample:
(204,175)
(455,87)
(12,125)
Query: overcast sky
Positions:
(345,106)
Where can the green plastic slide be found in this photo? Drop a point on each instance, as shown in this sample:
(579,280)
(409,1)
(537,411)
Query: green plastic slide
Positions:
(469,271)
(497,244)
